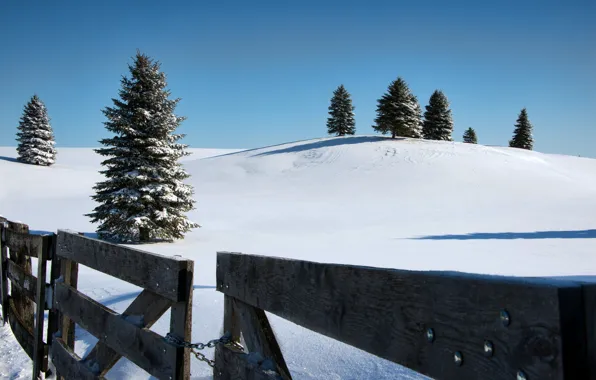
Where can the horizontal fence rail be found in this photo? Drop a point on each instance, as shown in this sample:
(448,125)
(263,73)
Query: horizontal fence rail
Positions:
(446,325)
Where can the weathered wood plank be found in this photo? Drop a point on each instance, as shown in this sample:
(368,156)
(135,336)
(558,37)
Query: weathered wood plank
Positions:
(388,313)
(40,356)
(20,255)
(181,319)
(3,276)
(147,270)
(589,295)
(259,336)
(143,347)
(231,321)
(25,243)
(234,365)
(148,304)
(70,275)
(53,315)
(26,282)
(20,330)
(69,364)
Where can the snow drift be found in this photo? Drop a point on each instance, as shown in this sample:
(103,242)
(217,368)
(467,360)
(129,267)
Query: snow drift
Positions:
(365,200)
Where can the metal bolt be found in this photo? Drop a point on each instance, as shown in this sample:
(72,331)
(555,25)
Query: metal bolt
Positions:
(505,318)
(521,375)
(430,335)
(488,348)
(458,358)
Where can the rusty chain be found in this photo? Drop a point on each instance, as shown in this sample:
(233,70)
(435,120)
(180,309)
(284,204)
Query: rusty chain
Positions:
(195,347)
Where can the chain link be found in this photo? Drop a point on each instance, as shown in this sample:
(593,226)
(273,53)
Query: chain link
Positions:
(195,347)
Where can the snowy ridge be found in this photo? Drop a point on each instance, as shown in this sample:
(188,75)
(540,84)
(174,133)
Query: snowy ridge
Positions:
(364,200)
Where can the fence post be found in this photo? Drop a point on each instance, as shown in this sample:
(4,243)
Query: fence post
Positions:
(70,272)
(40,354)
(3,277)
(181,322)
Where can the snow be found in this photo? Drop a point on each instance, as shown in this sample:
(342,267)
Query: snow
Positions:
(364,200)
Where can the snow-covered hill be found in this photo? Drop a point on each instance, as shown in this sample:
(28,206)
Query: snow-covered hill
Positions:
(366,200)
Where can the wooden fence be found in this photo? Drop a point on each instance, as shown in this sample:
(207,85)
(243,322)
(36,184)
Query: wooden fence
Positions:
(446,325)
(167,283)
(26,320)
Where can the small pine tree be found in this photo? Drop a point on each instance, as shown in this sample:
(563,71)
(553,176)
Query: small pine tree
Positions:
(36,137)
(438,123)
(341,113)
(470,136)
(398,112)
(143,197)
(522,135)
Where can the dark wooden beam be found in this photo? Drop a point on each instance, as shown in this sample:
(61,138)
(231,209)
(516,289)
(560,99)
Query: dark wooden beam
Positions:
(69,364)
(148,304)
(157,273)
(25,243)
(40,358)
(25,282)
(235,365)
(3,275)
(259,336)
(421,319)
(142,346)
(181,319)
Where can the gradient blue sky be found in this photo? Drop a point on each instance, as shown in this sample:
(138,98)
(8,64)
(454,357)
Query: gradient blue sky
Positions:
(259,73)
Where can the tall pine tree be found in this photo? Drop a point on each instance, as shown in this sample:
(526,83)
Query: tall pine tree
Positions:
(522,135)
(470,136)
(143,197)
(398,112)
(36,137)
(341,114)
(438,123)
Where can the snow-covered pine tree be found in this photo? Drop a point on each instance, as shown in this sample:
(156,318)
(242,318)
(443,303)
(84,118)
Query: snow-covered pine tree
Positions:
(341,113)
(36,137)
(398,112)
(522,135)
(143,197)
(438,123)
(470,136)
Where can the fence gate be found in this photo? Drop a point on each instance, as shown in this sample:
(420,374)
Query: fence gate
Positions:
(24,305)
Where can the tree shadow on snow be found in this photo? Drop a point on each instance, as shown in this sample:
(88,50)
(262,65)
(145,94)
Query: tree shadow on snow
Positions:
(579,234)
(131,295)
(9,159)
(327,143)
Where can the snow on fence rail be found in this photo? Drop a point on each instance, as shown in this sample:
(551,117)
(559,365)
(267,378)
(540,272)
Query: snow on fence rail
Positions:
(446,325)
(166,282)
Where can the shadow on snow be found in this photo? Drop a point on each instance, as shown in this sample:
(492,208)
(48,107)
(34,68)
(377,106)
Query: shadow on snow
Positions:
(578,234)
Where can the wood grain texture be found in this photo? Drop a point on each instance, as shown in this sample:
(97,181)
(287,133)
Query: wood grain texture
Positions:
(143,347)
(25,243)
(148,304)
(234,365)
(24,281)
(70,272)
(259,336)
(589,296)
(3,277)
(387,313)
(181,319)
(20,255)
(231,323)
(53,314)
(23,335)
(68,364)
(160,274)
(40,358)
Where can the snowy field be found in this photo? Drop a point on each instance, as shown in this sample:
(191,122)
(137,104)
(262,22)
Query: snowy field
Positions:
(408,204)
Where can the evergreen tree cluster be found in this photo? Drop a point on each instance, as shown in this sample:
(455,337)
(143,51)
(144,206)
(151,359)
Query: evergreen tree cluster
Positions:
(398,113)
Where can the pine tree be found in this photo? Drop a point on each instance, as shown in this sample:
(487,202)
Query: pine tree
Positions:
(341,114)
(36,137)
(438,124)
(470,136)
(522,135)
(398,112)
(143,197)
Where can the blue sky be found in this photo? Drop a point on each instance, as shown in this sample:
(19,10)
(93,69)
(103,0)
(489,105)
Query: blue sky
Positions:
(259,73)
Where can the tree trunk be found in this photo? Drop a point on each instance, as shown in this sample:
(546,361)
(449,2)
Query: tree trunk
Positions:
(143,234)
